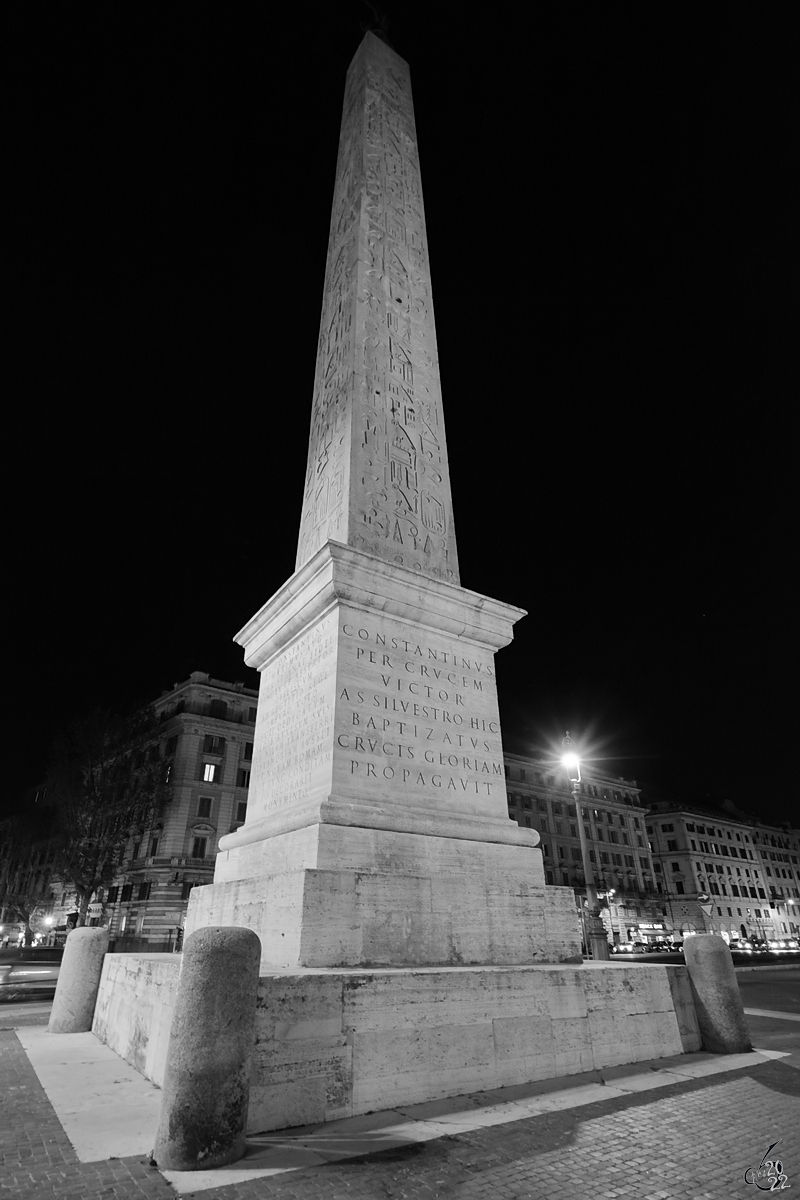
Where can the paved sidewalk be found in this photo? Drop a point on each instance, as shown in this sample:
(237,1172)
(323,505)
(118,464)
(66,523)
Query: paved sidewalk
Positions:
(683,1128)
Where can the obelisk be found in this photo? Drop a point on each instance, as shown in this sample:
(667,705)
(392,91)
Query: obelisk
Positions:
(377,826)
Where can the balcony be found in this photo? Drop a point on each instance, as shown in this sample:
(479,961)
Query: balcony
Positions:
(193,708)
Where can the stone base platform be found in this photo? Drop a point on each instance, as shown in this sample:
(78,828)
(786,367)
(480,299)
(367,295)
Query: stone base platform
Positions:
(341,896)
(337,1043)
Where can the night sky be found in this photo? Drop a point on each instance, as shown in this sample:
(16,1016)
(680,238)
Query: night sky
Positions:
(611,199)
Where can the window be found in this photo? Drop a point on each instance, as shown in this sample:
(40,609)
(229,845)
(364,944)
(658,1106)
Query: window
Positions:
(576,853)
(171,746)
(210,772)
(561,852)
(218,709)
(213,744)
(667,828)
(136,848)
(526,803)
(113,893)
(127,892)
(186,889)
(199,847)
(251,715)
(204,806)
(548,877)
(543,824)
(573,829)
(672,844)
(153,846)
(242,778)
(144,891)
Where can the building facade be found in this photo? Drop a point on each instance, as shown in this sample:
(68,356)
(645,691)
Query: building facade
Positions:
(539,797)
(722,873)
(206,741)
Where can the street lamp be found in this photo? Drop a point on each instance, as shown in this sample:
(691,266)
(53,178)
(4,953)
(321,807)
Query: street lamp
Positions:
(597,934)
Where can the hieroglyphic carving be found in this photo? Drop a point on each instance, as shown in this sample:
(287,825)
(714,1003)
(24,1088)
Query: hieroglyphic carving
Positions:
(377,473)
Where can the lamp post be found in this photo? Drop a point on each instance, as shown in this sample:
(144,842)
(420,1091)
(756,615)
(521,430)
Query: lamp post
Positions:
(594,924)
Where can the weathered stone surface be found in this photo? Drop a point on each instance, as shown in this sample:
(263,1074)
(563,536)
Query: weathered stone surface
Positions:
(391,899)
(78,981)
(207,1078)
(334,1043)
(135,1007)
(717,1001)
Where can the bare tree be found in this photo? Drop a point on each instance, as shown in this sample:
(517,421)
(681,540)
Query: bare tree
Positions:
(106,780)
(26,855)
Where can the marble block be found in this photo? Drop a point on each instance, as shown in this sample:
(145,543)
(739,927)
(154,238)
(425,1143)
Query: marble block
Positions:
(332,896)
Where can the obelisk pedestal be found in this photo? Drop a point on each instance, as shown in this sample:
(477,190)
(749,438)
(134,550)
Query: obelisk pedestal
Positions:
(378,831)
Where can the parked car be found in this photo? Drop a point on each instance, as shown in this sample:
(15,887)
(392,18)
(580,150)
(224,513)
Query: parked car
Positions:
(28,978)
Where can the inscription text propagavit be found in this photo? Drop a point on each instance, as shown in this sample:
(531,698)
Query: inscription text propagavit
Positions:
(418,715)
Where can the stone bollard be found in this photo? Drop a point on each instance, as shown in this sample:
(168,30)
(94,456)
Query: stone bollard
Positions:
(717,1001)
(78,981)
(206,1091)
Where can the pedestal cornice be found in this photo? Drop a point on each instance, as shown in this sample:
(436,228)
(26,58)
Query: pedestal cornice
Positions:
(340,573)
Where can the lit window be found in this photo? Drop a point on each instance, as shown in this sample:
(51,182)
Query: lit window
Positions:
(209,772)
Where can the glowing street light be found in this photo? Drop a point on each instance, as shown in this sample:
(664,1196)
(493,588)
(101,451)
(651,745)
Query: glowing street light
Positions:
(594,923)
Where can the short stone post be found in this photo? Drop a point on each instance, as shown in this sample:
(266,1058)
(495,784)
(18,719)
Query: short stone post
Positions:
(78,980)
(206,1091)
(717,1000)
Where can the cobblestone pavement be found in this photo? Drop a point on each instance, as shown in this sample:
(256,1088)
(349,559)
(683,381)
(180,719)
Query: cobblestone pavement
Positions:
(686,1141)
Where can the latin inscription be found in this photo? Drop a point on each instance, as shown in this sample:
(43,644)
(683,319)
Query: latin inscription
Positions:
(416,715)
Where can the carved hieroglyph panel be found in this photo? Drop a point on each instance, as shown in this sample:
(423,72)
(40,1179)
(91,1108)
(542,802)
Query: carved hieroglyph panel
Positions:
(377,475)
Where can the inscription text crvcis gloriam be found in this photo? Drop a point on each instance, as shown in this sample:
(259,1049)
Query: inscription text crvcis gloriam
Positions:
(417,726)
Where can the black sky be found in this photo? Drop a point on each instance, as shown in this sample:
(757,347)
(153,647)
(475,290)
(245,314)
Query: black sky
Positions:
(611,205)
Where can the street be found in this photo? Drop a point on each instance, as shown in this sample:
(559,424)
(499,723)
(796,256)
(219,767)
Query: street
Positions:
(658,1131)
